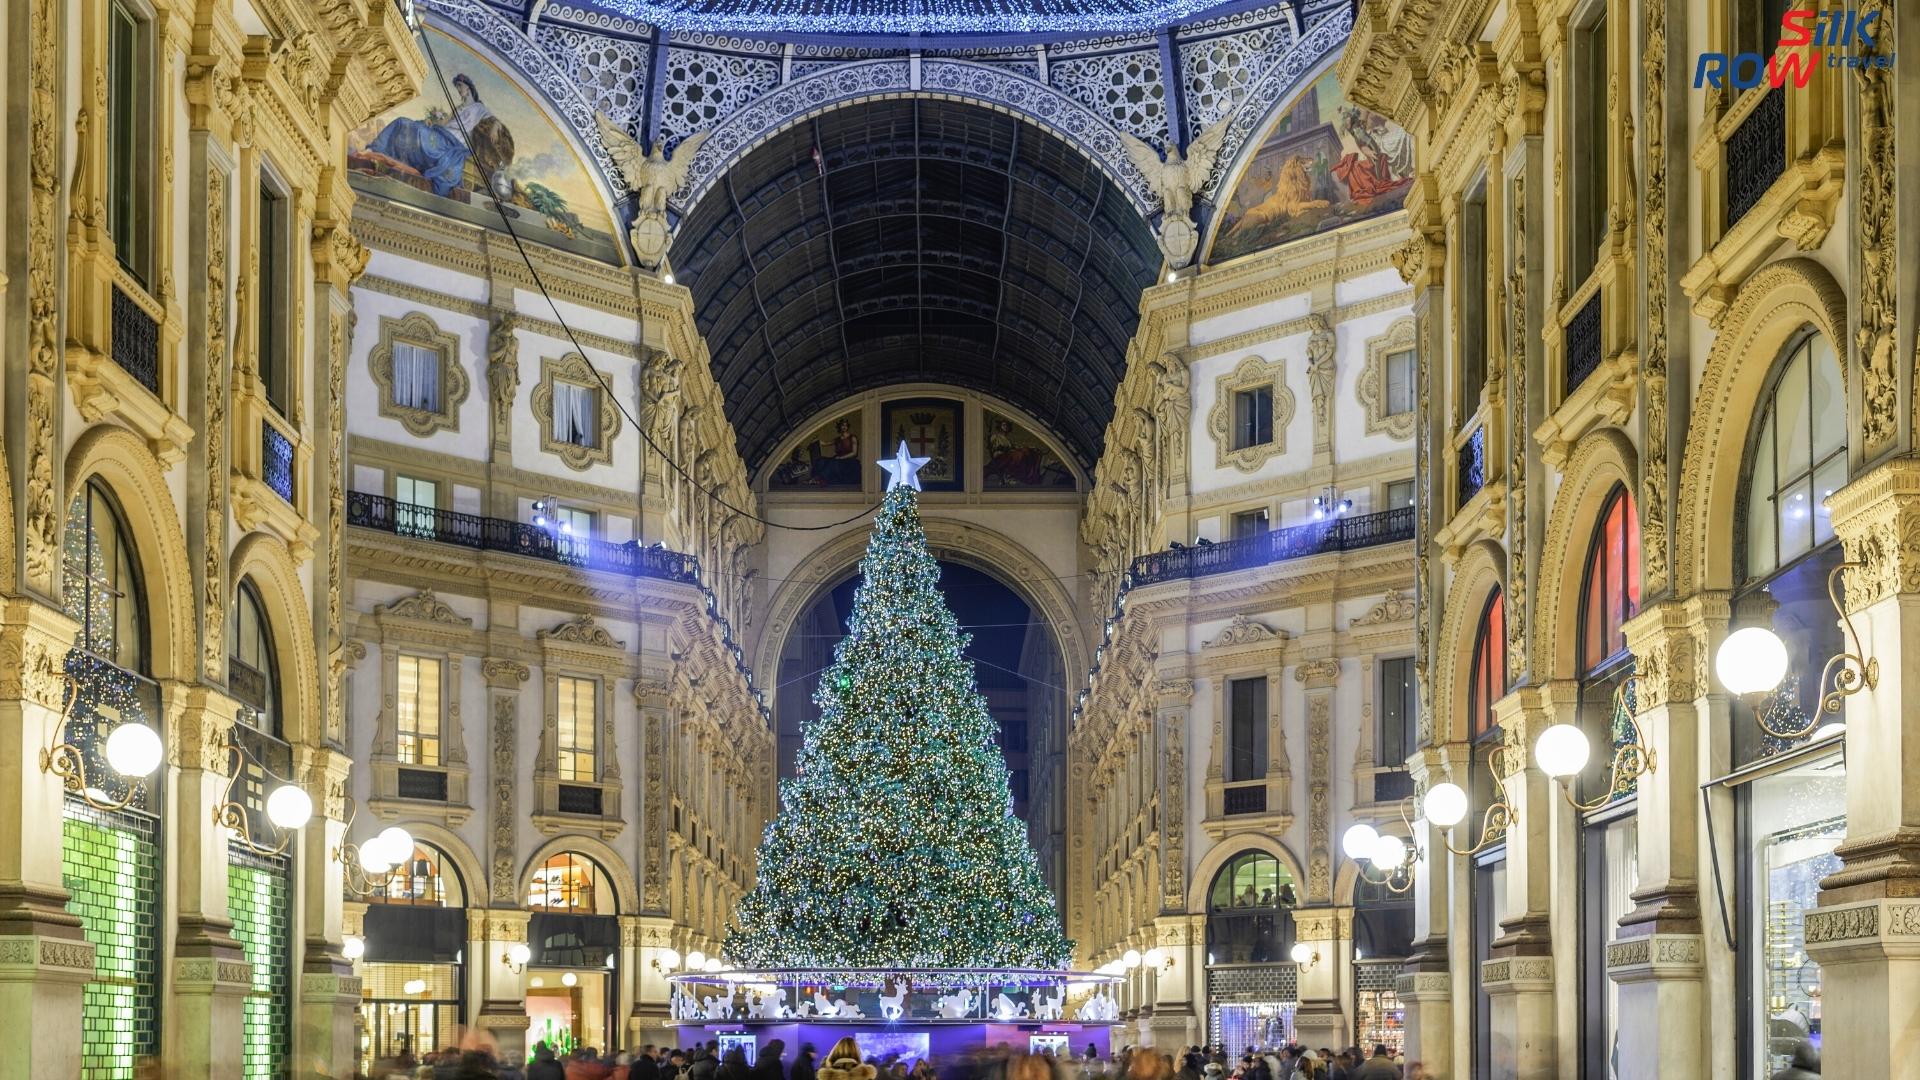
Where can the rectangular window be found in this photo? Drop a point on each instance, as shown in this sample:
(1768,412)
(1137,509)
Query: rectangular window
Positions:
(415,506)
(1399,493)
(575,724)
(272,298)
(577,524)
(1473,300)
(1398,734)
(576,414)
(417,710)
(1249,523)
(1789,824)
(416,492)
(1587,224)
(1400,382)
(130,139)
(416,377)
(1252,417)
(1247,724)
(1757,28)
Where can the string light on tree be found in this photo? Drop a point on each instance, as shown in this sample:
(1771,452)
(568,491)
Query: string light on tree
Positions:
(896,844)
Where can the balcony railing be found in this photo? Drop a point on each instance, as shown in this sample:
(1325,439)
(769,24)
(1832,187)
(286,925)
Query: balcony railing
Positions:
(1583,343)
(136,341)
(1246,799)
(1295,542)
(1472,466)
(276,460)
(1756,154)
(517,538)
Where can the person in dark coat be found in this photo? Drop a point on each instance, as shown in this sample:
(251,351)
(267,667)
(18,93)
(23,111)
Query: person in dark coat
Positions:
(643,1066)
(802,1064)
(1805,1064)
(705,1063)
(545,1066)
(734,1066)
(1378,1067)
(768,1065)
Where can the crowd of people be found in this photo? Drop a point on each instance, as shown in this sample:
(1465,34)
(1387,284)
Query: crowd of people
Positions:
(844,1062)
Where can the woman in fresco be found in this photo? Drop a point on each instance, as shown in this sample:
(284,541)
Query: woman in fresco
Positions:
(436,149)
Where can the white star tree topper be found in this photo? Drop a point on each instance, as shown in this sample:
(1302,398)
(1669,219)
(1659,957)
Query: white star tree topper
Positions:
(903,469)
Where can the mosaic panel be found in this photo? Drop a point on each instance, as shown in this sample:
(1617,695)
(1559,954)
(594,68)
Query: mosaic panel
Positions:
(110,865)
(260,904)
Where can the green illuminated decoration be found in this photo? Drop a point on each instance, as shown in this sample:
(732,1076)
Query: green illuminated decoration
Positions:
(109,866)
(896,844)
(258,901)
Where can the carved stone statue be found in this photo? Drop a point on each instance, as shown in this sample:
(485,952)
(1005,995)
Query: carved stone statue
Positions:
(1320,372)
(1175,179)
(652,178)
(660,396)
(503,371)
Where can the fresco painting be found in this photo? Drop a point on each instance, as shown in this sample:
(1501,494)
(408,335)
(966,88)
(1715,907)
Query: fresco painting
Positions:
(438,155)
(1017,458)
(1327,163)
(828,459)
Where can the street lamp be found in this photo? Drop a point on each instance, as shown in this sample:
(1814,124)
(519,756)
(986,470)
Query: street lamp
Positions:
(1753,661)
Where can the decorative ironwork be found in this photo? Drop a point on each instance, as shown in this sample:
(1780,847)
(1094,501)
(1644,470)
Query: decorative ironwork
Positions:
(426,785)
(136,341)
(1295,542)
(100,696)
(1472,466)
(518,538)
(1756,154)
(1392,785)
(276,460)
(1583,343)
(1251,799)
(574,799)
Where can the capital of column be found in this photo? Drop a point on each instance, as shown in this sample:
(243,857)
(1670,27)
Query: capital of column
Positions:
(1670,642)
(34,639)
(1877,518)
(1655,957)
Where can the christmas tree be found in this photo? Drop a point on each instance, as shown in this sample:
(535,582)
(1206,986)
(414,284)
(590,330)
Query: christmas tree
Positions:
(896,844)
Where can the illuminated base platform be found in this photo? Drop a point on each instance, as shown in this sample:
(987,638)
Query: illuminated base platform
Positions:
(910,1014)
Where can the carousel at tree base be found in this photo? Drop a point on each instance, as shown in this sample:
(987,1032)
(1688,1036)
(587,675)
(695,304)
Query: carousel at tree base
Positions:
(898,900)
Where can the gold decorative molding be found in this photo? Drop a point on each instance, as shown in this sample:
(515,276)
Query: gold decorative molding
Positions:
(1372,386)
(418,328)
(1251,374)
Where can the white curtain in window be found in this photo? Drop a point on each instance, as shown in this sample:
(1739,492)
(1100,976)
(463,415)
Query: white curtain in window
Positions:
(573,414)
(416,377)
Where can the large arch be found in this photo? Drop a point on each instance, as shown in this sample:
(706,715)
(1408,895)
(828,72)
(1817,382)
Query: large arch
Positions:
(120,460)
(965,542)
(1770,308)
(266,561)
(1600,461)
(626,902)
(1480,570)
(1223,852)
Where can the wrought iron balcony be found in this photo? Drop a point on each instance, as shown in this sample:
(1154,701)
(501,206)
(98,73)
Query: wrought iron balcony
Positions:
(518,538)
(136,341)
(1583,343)
(1756,154)
(1246,799)
(276,460)
(1276,545)
(1472,463)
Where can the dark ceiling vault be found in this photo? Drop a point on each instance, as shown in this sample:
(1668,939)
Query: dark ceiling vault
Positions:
(916,241)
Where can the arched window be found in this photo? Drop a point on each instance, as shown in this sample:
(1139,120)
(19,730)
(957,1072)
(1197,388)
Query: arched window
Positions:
(570,881)
(1249,908)
(428,879)
(1798,458)
(253,672)
(1611,593)
(1487,678)
(101,591)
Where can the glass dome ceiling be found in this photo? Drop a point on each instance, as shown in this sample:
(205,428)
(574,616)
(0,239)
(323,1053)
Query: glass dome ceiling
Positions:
(869,19)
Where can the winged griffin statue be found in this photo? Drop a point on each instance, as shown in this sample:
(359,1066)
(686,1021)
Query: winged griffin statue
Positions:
(652,178)
(1176,179)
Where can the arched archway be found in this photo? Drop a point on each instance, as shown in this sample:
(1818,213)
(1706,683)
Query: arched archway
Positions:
(1601,462)
(120,461)
(264,561)
(1479,572)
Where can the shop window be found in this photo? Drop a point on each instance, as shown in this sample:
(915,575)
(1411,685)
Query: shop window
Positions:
(1249,911)
(1610,852)
(1489,910)
(425,880)
(101,590)
(1610,595)
(570,881)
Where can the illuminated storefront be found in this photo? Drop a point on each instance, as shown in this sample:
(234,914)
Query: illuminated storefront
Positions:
(413,994)
(574,936)
(1252,984)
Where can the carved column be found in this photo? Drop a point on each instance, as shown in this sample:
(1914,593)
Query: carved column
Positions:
(327,1014)
(1657,953)
(1321,1019)
(44,958)
(211,976)
(1320,382)
(1520,977)
(503,1011)
(1319,676)
(1441,907)
(1866,931)
(504,679)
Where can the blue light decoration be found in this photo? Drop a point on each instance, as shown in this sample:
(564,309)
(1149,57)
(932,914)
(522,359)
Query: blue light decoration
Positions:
(868,19)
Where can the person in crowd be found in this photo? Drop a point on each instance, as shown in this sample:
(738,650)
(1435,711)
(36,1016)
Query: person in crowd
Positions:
(676,1067)
(769,1064)
(705,1062)
(733,1066)
(1378,1067)
(843,1063)
(545,1066)
(802,1064)
(585,1064)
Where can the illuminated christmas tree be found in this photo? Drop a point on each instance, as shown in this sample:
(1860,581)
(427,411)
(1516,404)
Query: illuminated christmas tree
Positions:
(896,845)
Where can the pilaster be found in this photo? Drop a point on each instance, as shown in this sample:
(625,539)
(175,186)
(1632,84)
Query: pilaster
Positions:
(502,1011)
(211,976)
(1440,896)
(1321,1018)
(327,1014)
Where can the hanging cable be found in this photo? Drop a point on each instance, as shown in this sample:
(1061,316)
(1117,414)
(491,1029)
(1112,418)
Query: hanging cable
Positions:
(506,219)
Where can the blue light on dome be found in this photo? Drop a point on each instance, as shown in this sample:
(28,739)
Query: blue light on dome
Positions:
(893,18)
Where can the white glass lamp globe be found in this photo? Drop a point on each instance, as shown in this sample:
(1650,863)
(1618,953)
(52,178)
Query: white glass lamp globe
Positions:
(353,947)
(1131,958)
(569,979)
(134,750)
(1358,841)
(289,807)
(374,858)
(1752,660)
(415,986)
(1155,957)
(519,952)
(669,958)
(712,966)
(1302,952)
(1562,751)
(1446,805)
(397,843)
(1388,852)
(536,982)
(696,960)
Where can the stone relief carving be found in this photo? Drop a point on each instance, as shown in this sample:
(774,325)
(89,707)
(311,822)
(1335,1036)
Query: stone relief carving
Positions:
(581,631)
(426,607)
(1243,630)
(1396,606)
